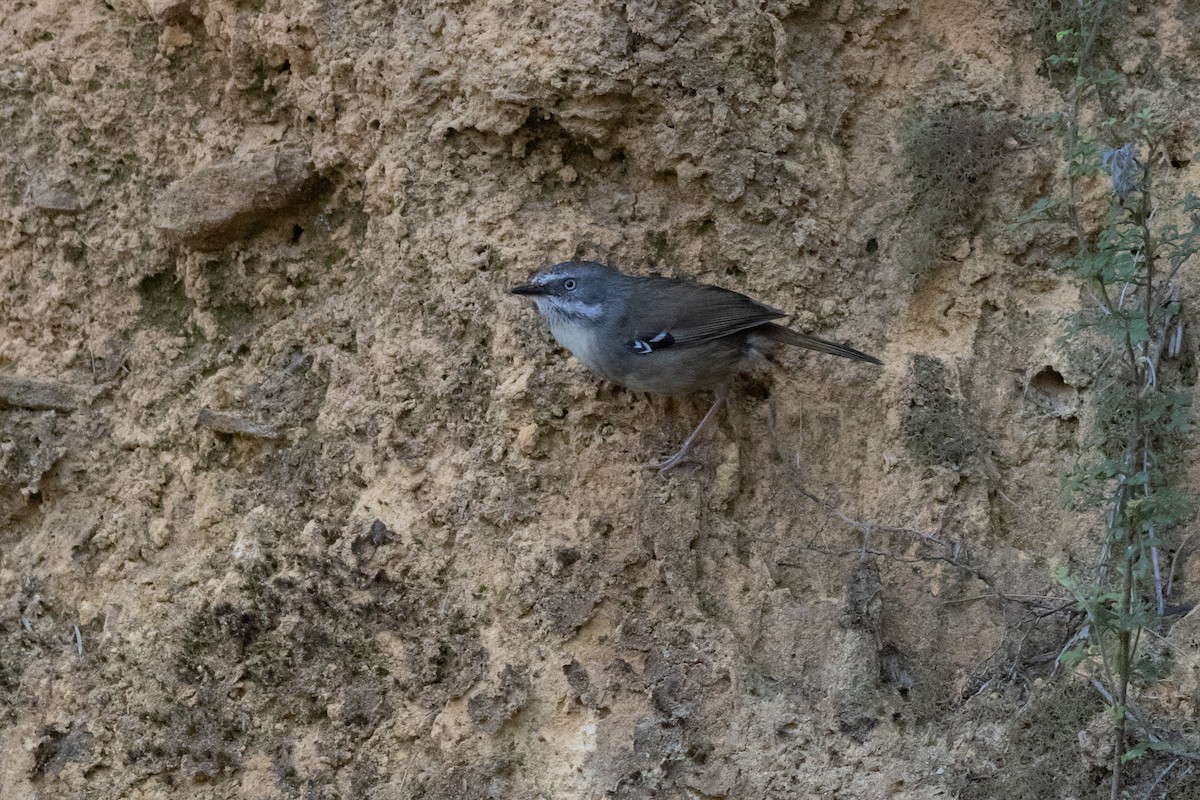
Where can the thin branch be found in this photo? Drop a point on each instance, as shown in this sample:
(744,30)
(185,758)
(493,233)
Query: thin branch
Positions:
(1159,779)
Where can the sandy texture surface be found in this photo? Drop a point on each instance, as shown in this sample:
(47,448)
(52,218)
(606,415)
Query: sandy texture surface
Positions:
(297,502)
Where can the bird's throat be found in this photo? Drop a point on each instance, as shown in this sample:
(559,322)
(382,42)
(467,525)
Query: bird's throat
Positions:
(579,334)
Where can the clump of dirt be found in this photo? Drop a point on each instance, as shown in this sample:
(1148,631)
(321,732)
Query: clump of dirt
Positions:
(949,156)
(937,424)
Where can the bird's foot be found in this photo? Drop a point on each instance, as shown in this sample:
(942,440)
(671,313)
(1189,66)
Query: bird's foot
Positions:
(681,456)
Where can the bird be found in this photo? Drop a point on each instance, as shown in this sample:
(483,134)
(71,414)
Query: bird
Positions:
(661,335)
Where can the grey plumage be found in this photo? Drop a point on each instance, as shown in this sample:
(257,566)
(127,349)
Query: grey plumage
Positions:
(661,335)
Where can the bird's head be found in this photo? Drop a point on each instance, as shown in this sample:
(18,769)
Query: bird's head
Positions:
(580,291)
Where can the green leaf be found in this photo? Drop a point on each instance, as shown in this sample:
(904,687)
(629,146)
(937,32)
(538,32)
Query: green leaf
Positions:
(1134,753)
(1137,479)
(1141,748)
(1180,421)
(1070,657)
(1139,330)
(1042,210)
(1065,579)
(1153,669)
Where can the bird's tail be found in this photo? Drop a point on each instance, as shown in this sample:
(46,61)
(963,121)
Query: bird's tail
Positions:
(784,335)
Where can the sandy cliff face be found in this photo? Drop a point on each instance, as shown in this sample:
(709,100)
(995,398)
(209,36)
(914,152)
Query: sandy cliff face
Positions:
(296,501)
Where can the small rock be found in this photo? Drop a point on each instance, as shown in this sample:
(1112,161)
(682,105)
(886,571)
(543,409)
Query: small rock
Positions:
(55,197)
(490,712)
(233,425)
(173,38)
(577,677)
(58,748)
(962,251)
(221,203)
(380,533)
(37,395)
(170,12)
(527,440)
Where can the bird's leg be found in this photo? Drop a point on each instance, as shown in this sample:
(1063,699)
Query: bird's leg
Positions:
(677,459)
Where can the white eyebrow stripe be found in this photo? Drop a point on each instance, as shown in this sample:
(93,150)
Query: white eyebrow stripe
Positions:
(544,278)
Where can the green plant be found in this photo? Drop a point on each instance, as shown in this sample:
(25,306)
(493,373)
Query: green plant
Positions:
(1127,265)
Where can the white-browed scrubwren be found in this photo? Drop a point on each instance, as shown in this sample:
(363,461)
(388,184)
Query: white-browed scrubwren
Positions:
(662,335)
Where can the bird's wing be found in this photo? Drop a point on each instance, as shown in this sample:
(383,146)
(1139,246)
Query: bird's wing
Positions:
(683,313)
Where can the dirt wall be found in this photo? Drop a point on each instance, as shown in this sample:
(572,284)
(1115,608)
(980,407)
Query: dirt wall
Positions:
(297,501)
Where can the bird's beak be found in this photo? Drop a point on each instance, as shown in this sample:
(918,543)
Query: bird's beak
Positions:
(528,289)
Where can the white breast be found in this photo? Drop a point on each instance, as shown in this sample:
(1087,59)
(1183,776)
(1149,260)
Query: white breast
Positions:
(574,326)
(579,339)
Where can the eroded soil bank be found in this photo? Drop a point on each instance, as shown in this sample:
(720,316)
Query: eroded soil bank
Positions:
(296,501)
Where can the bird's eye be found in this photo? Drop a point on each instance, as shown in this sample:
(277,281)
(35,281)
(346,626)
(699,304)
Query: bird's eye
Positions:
(569,284)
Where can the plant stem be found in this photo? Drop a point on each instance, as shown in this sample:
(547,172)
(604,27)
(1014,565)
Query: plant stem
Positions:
(1124,662)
